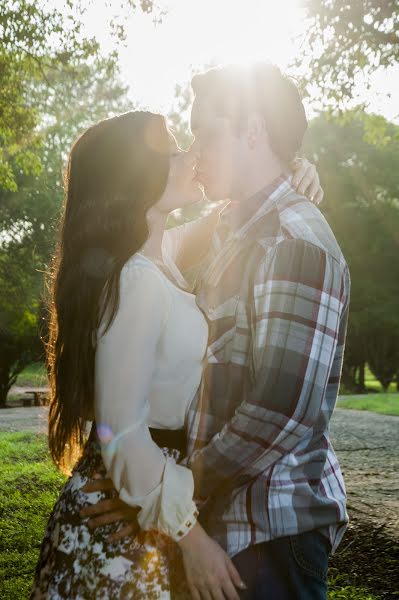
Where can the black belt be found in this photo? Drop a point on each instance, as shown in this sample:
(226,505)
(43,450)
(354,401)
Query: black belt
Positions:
(174,439)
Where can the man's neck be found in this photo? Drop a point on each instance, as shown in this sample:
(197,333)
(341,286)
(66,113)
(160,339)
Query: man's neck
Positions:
(255,179)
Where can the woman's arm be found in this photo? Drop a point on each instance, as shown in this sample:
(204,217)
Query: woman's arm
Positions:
(125,363)
(188,244)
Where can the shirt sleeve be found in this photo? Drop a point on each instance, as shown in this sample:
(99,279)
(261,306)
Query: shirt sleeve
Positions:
(298,299)
(125,364)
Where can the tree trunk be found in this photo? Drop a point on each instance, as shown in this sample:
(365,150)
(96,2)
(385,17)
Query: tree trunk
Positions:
(4,387)
(361,385)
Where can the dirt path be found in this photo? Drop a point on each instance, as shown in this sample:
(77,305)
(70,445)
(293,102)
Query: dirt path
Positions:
(32,418)
(367,445)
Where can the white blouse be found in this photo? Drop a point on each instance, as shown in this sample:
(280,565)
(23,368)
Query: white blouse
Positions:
(148,366)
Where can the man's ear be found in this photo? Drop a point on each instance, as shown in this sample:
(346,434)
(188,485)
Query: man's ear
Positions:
(255,130)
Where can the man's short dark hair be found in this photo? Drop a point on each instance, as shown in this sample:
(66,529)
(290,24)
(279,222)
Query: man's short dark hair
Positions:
(236,91)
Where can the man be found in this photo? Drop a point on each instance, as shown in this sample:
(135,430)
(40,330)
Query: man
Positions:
(275,289)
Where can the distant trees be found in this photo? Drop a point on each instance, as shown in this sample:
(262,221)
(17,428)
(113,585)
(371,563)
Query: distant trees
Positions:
(344,39)
(54,95)
(361,181)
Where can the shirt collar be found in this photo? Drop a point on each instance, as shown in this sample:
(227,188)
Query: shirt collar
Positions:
(237,217)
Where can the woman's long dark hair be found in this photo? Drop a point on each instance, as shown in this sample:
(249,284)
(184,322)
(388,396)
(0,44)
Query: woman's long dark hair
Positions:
(116,171)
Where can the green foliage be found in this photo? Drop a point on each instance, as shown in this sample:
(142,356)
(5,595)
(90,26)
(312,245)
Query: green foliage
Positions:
(34,374)
(362,206)
(344,39)
(384,404)
(65,86)
(37,42)
(349,592)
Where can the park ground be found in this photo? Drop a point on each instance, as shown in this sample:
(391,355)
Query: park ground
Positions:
(365,436)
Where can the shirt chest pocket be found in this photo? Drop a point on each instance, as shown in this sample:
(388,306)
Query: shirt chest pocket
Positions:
(214,306)
(228,332)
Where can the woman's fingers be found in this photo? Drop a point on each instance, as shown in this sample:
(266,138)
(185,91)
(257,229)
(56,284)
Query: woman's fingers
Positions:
(299,167)
(230,591)
(310,177)
(319,197)
(235,576)
(312,191)
(206,595)
(98,485)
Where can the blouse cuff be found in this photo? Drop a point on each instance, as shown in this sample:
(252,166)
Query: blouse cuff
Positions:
(187,524)
(170,507)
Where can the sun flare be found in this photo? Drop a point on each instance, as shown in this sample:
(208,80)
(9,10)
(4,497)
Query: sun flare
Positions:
(195,34)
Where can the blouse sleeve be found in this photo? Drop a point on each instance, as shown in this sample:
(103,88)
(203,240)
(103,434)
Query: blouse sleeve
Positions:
(125,364)
(172,241)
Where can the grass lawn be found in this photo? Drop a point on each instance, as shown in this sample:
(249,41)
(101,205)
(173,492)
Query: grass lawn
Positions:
(34,374)
(385,404)
(29,485)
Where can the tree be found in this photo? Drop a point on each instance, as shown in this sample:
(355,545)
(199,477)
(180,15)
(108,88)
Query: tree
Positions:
(346,38)
(37,42)
(64,102)
(362,205)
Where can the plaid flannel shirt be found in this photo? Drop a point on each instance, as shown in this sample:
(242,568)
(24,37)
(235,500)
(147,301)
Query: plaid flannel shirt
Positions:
(275,290)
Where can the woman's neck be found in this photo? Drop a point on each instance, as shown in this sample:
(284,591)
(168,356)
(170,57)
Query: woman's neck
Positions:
(156,225)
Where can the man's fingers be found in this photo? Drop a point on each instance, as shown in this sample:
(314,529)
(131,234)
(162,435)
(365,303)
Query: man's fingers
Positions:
(103,506)
(106,519)
(194,592)
(123,532)
(98,485)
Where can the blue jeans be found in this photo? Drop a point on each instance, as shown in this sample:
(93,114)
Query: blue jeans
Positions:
(288,568)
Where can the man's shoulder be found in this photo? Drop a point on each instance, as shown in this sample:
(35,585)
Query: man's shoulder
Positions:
(296,218)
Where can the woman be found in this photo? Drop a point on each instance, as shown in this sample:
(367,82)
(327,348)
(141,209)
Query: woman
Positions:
(119,354)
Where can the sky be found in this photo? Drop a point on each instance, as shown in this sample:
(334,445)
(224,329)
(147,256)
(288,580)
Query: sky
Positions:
(196,33)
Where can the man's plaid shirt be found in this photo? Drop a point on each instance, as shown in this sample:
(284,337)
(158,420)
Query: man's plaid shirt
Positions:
(275,289)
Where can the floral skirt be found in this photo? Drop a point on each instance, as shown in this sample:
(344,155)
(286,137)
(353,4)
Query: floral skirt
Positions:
(77,563)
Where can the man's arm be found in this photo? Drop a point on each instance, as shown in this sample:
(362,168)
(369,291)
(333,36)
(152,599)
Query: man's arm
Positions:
(297,304)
